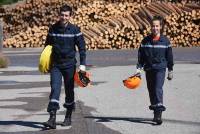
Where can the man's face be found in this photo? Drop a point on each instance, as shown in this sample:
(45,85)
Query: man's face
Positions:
(156,27)
(65,17)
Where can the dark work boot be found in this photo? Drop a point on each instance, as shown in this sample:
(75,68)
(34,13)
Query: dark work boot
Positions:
(67,121)
(51,123)
(158,117)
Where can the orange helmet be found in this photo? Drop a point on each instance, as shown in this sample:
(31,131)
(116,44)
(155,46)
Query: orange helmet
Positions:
(132,82)
(81,78)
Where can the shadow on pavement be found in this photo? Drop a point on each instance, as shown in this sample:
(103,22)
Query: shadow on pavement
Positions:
(13,73)
(29,85)
(23,123)
(183,122)
(22,85)
(96,83)
(131,119)
(142,120)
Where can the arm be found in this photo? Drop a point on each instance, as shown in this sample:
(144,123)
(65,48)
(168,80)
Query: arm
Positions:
(170,61)
(80,42)
(49,40)
(140,63)
(169,57)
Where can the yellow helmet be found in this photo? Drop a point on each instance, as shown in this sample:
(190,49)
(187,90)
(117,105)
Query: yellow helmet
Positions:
(45,59)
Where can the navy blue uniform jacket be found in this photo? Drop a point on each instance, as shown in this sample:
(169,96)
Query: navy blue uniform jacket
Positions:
(64,41)
(155,54)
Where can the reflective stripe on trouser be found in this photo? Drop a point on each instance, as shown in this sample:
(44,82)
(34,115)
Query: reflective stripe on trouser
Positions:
(155,81)
(56,83)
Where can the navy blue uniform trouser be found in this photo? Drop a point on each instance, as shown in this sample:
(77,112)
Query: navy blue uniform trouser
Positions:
(155,80)
(56,76)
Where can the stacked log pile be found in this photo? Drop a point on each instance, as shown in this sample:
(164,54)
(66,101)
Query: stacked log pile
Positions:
(99,11)
(107,24)
(32,37)
(184,27)
(181,26)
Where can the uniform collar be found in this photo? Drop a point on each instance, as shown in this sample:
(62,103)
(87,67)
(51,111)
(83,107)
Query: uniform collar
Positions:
(68,27)
(65,27)
(160,39)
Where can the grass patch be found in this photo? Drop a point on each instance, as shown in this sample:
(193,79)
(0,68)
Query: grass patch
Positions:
(4,61)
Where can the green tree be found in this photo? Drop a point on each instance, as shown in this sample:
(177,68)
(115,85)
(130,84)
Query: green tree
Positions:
(5,2)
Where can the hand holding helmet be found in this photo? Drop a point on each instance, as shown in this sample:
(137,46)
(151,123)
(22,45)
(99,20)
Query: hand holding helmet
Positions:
(82,68)
(170,75)
(81,77)
(138,71)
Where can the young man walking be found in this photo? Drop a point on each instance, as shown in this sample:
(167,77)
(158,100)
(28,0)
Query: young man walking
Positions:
(154,56)
(64,37)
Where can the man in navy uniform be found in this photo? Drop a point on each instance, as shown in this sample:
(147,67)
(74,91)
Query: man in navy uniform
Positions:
(64,37)
(154,56)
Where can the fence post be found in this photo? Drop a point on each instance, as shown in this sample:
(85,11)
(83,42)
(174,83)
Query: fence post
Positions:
(1,35)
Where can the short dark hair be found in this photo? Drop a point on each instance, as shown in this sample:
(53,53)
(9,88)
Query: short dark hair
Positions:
(159,18)
(66,8)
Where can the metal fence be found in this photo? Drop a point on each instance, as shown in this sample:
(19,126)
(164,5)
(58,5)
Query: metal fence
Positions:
(1,35)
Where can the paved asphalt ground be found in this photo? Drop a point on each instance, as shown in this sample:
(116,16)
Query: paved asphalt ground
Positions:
(105,107)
